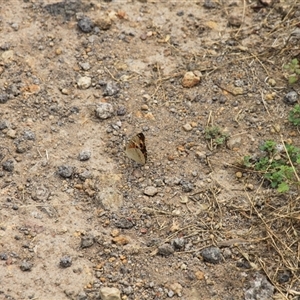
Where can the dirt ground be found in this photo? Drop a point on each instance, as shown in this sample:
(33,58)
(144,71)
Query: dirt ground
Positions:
(78,79)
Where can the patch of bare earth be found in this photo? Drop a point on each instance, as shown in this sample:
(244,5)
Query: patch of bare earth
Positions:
(78,219)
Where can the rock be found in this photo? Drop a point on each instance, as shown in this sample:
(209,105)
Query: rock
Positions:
(165,250)
(190,79)
(111,88)
(234,142)
(65,171)
(84,82)
(291,98)
(284,276)
(104,111)
(8,165)
(87,241)
(23,146)
(85,24)
(210,4)
(201,155)
(107,293)
(3,98)
(26,266)
(40,193)
(272,82)
(187,127)
(120,240)
(82,296)
(171,181)
(121,110)
(235,21)
(150,191)
(29,135)
(65,91)
(260,288)
(211,255)
(4,124)
(84,155)
(267,2)
(227,253)
(65,261)
(85,174)
(3,256)
(238,174)
(177,288)
(170,294)
(85,66)
(11,133)
(187,186)
(103,22)
(178,243)
(124,223)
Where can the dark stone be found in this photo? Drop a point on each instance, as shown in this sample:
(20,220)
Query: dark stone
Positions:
(8,165)
(65,171)
(165,250)
(3,98)
(178,243)
(85,24)
(26,266)
(187,186)
(124,223)
(290,98)
(211,255)
(65,262)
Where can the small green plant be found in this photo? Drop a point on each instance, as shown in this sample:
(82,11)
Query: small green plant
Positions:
(294,115)
(216,136)
(276,164)
(293,68)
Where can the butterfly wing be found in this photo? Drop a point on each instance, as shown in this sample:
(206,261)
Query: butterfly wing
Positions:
(136,149)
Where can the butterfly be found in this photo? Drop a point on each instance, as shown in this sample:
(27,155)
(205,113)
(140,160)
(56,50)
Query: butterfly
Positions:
(136,149)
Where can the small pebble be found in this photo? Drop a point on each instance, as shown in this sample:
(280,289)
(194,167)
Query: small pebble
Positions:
(11,133)
(212,255)
(190,79)
(3,98)
(239,174)
(65,262)
(65,171)
(26,266)
(84,82)
(87,241)
(104,111)
(84,155)
(291,98)
(8,165)
(187,127)
(150,191)
(111,89)
(165,250)
(85,24)
(178,243)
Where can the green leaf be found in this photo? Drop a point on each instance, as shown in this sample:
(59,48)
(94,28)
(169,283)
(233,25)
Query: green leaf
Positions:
(295,61)
(292,79)
(283,187)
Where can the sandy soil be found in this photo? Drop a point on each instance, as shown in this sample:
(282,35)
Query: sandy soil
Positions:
(76,214)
